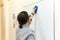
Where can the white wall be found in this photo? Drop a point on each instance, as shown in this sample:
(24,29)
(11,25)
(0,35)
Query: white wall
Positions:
(43,22)
(57,20)
(45,15)
(14,7)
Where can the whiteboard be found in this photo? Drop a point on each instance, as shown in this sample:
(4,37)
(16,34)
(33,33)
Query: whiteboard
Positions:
(43,21)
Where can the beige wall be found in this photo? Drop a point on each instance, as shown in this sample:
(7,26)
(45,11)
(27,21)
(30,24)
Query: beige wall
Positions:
(0,21)
(2,27)
(57,20)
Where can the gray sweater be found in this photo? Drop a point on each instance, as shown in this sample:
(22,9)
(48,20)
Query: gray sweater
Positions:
(25,33)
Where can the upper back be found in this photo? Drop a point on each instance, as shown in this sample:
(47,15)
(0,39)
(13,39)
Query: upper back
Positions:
(23,33)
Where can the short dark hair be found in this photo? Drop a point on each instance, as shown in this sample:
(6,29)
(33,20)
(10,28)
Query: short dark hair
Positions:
(22,17)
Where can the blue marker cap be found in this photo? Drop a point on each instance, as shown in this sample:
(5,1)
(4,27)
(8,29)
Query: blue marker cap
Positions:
(36,8)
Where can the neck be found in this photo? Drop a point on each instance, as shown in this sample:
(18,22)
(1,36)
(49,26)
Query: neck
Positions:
(27,24)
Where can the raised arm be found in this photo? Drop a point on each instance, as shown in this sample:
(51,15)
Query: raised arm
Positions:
(34,11)
(31,15)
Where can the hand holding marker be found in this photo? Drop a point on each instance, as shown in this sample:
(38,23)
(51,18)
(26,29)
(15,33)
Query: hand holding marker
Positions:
(34,11)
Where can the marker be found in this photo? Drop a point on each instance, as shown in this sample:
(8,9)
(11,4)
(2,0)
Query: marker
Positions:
(36,8)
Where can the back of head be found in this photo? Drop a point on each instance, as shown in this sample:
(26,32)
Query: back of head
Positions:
(22,18)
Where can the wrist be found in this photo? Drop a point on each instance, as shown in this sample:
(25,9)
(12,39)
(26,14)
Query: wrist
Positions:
(32,13)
